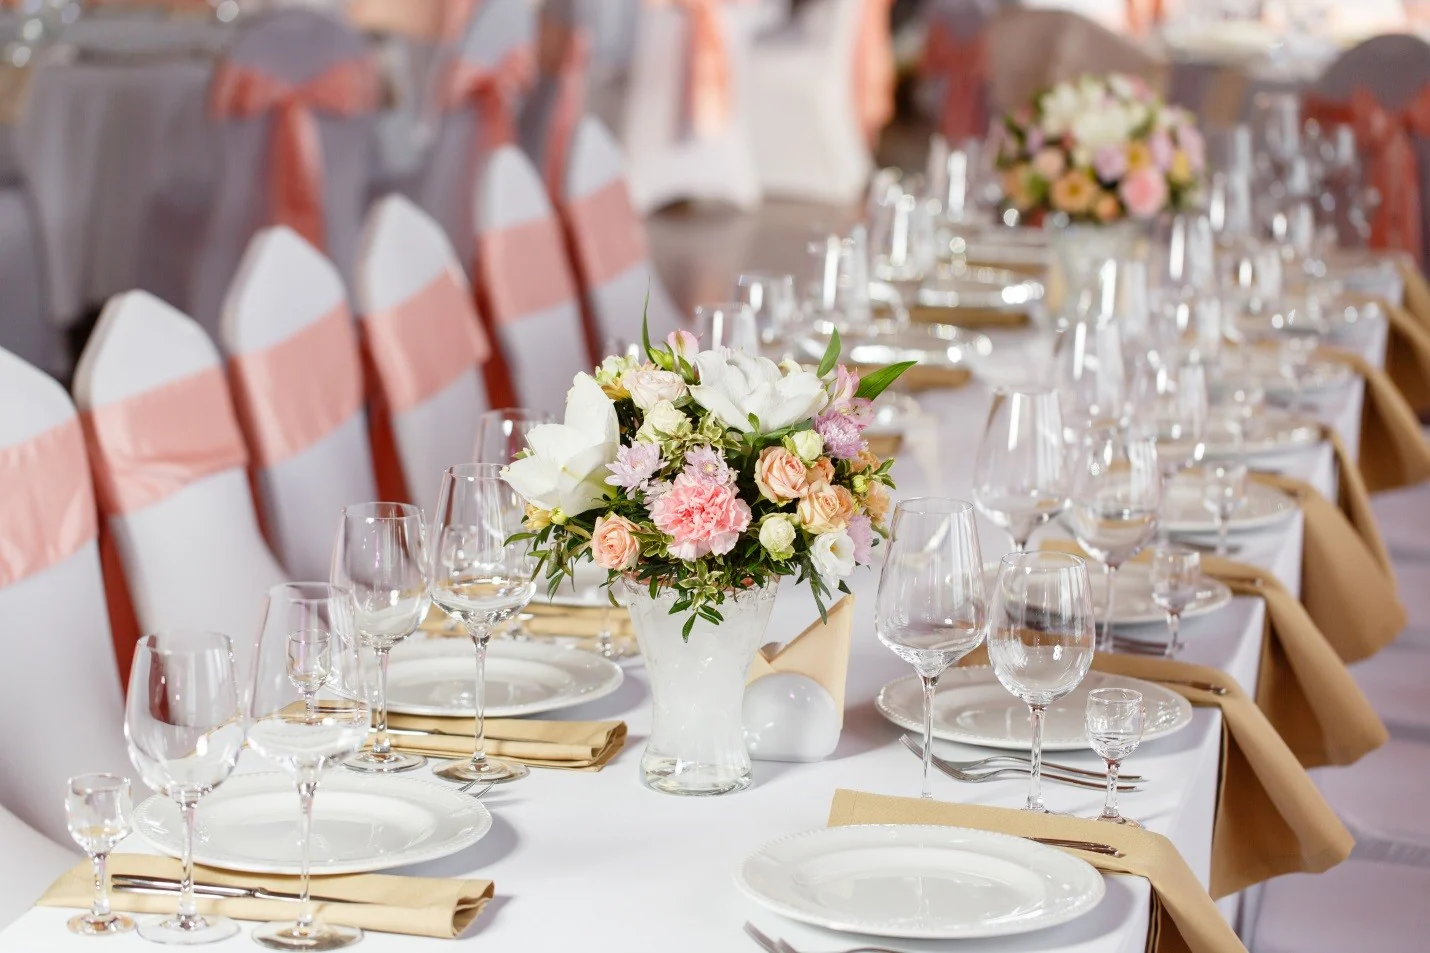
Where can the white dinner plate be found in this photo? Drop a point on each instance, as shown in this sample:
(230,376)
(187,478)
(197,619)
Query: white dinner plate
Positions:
(991,289)
(973,707)
(361,823)
(1270,431)
(1134,605)
(437,677)
(1322,375)
(1183,512)
(920,882)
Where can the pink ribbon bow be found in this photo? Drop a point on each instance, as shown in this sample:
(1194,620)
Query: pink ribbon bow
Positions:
(493,90)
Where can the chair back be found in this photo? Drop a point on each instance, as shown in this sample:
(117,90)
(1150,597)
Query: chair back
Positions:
(954,66)
(52,601)
(170,473)
(425,349)
(297,383)
(558,100)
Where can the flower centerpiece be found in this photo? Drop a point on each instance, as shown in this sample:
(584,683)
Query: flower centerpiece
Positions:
(697,480)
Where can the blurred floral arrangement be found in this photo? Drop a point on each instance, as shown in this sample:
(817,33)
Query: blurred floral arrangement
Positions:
(708,472)
(1099,150)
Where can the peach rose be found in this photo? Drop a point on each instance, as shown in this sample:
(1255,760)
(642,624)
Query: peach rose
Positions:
(867,460)
(1139,156)
(820,471)
(613,543)
(1049,163)
(825,508)
(780,475)
(876,502)
(1107,208)
(1074,192)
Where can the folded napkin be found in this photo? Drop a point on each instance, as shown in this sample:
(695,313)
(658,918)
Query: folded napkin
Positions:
(820,652)
(1353,498)
(1417,289)
(968,317)
(885,445)
(1184,919)
(550,620)
(14,92)
(416,906)
(1407,353)
(574,745)
(1393,448)
(922,377)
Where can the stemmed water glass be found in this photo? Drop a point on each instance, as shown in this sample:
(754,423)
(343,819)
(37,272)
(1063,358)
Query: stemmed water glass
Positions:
(502,433)
(307,711)
(1299,332)
(1171,405)
(1040,638)
(380,557)
(727,324)
(1175,577)
(481,579)
(771,299)
(97,811)
(931,609)
(1223,491)
(1115,499)
(1020,477)
(183,722)
(1090,376)
(1114,722)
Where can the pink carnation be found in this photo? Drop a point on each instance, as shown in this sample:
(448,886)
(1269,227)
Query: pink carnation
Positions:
(1144,192)
(861,534)
(700,519)
(1110,163)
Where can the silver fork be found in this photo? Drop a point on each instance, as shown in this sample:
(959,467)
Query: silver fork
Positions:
(476,794)
(780,946)
(998,774)
(1027,763)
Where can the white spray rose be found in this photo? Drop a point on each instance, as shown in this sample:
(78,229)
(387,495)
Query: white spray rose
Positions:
(806,444)
(661,421)
(777,536)
(833,554)
(649,386)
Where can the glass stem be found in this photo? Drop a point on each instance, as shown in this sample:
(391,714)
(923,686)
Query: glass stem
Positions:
(307,788)
(1020,543)
(1221,521)
(382,745)
(100,909)
(605,643)
(1109,806)
(930,681)
(480,637)
(1035,773)
(188,915)
(1173,624)
(1111,605)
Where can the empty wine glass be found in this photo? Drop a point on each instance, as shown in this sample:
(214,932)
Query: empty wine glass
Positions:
(307,711)
(1115,718)
(1090,377)
(481,579)
(1223,492)
(184,726)
(1300,330)
(1175,577)
(380,557)
(97,811)
(931,609)
(771,298)
(1020,477)
(1115,498)
(1170,404)
(502,433)
(727,324)
(1040,638)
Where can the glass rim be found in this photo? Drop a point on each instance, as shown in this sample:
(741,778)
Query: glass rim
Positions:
(1051,559)
(527,413)
(710,306)
(1113,695)
(473,472)
(400,511)
(1173,549)
(149,641)
(757,275)
(933,506)
(84,783)
(1029,389)
(296,591)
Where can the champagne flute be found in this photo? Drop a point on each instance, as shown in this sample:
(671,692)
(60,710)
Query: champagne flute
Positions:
(1175,577)
(1116,495)
(380,557)
(98,811)
(931,609)
(183,722)
(502,433)
(1114,722)
(307,711)
(480,579)
(1020,477)
(1040,638)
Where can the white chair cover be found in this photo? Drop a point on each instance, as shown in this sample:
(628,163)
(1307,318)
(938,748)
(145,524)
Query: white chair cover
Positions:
(803,121)
(608,241)
(52,601)
(170,464)
(293,46)
(1357,905)
(424,341)
(1394,679)
(667,163)
(1381,799)
(297,380)
(528,294)
(1404,519)
(32,863)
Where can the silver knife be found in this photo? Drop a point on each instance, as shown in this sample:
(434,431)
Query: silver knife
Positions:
(218,891)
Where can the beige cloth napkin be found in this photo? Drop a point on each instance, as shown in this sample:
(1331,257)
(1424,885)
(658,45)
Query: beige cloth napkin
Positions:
(1417,289)
(1393,448)
(968,317)
(415,906)
(820,651)
(550,620)
(1184,919)
(573,745)
(1407,353)
(14,91)
(885,445)
(1353,498)
(921,377)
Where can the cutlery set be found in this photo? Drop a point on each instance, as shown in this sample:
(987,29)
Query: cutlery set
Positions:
(988,769)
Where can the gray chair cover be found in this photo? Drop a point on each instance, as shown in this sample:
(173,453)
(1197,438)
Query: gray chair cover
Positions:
(25,326)
(562,84)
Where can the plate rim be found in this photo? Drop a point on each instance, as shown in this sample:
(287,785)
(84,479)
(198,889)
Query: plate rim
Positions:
(1238,525)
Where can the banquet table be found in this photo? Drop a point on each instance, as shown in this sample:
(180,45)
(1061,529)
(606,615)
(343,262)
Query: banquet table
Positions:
(597,862)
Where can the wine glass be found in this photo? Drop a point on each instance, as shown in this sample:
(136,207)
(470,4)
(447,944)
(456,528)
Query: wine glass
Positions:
(931,609)
(1090,376)
(1175,577)
(1116,495)
(1020,477)
(307,711)
(502,433)
(771,299)
(1223,491)
(97,811)
(727,324)
(380,557)
(481,579)
(183,722)
(1171,406)
(1040,638)
(1300,330)
(1114,722)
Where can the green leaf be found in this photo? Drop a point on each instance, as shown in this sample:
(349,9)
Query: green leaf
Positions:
(874,384)
(645,324)
(831,354)
(685,629)
(754,423)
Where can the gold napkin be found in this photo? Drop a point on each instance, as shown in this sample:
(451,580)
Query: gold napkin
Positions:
(1184,919)
(923,377)
(14,91)
(550,620)
(1353,498)
(1039,270)
(820,651)
(968,317)
(415,906)
(573,745)
(885,445)
(1393,449)
(1417,289)
(1407,354)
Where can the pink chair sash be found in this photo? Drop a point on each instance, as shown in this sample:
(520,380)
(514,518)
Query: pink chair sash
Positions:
(874,70)
(47,509)
(296,392)
(1142,15)
(150,446)
(423,344)
(571,50)
(607,236)
(493,91)
(523,269)
(707,67)
(962,65)
(295,160)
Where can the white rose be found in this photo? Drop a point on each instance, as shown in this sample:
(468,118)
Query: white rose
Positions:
(833,554)
(649,386)
(777,536)
(661,421)
(733,385)
(566,469)
(807,445)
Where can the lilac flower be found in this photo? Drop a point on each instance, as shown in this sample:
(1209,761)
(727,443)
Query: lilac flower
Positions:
(1110,163)
(861,532)
(634,466)
(705,465)
(843,436)
(656,490)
